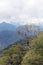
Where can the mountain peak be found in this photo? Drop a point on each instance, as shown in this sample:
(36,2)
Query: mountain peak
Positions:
(3,22)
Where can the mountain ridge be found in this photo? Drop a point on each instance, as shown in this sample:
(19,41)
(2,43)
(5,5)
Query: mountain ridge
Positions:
(12,34)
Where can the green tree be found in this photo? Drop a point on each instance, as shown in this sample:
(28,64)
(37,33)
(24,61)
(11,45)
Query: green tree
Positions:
(12,56)
(37,44)
(35,55)
(31,58)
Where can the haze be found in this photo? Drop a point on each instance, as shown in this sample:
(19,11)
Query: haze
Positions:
(29,11)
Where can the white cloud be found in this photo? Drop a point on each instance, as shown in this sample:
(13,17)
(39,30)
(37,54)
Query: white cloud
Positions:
(21,10)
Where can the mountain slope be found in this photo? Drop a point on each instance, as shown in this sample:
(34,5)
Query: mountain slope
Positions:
(8,37)
(10,33)
(6,26)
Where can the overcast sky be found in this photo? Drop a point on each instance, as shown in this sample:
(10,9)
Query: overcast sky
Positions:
(21,10)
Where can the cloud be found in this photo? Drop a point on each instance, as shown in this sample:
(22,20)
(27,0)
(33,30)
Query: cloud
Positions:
(21,10)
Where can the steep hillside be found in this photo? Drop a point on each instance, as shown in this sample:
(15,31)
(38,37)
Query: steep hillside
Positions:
(19,55)
(10,33)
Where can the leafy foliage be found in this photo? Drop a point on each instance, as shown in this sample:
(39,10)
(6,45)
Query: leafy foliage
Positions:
(13,55)
(35,55)
(19,55)
(31,58)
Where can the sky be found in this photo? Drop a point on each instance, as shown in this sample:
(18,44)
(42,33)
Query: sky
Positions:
(28,11)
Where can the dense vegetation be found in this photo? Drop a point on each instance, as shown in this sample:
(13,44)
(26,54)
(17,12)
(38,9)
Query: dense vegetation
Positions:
(13,55)
(35,55)
(20,55)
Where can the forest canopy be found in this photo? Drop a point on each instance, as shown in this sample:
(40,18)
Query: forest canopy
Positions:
(19,55)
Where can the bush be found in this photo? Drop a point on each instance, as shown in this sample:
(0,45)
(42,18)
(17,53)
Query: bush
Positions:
(12,56)
(35,55)
(31,58)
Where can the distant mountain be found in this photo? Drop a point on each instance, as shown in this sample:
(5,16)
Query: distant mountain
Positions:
(7,34)
(10,33)
(6,26)
(28,30)
(8,37)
